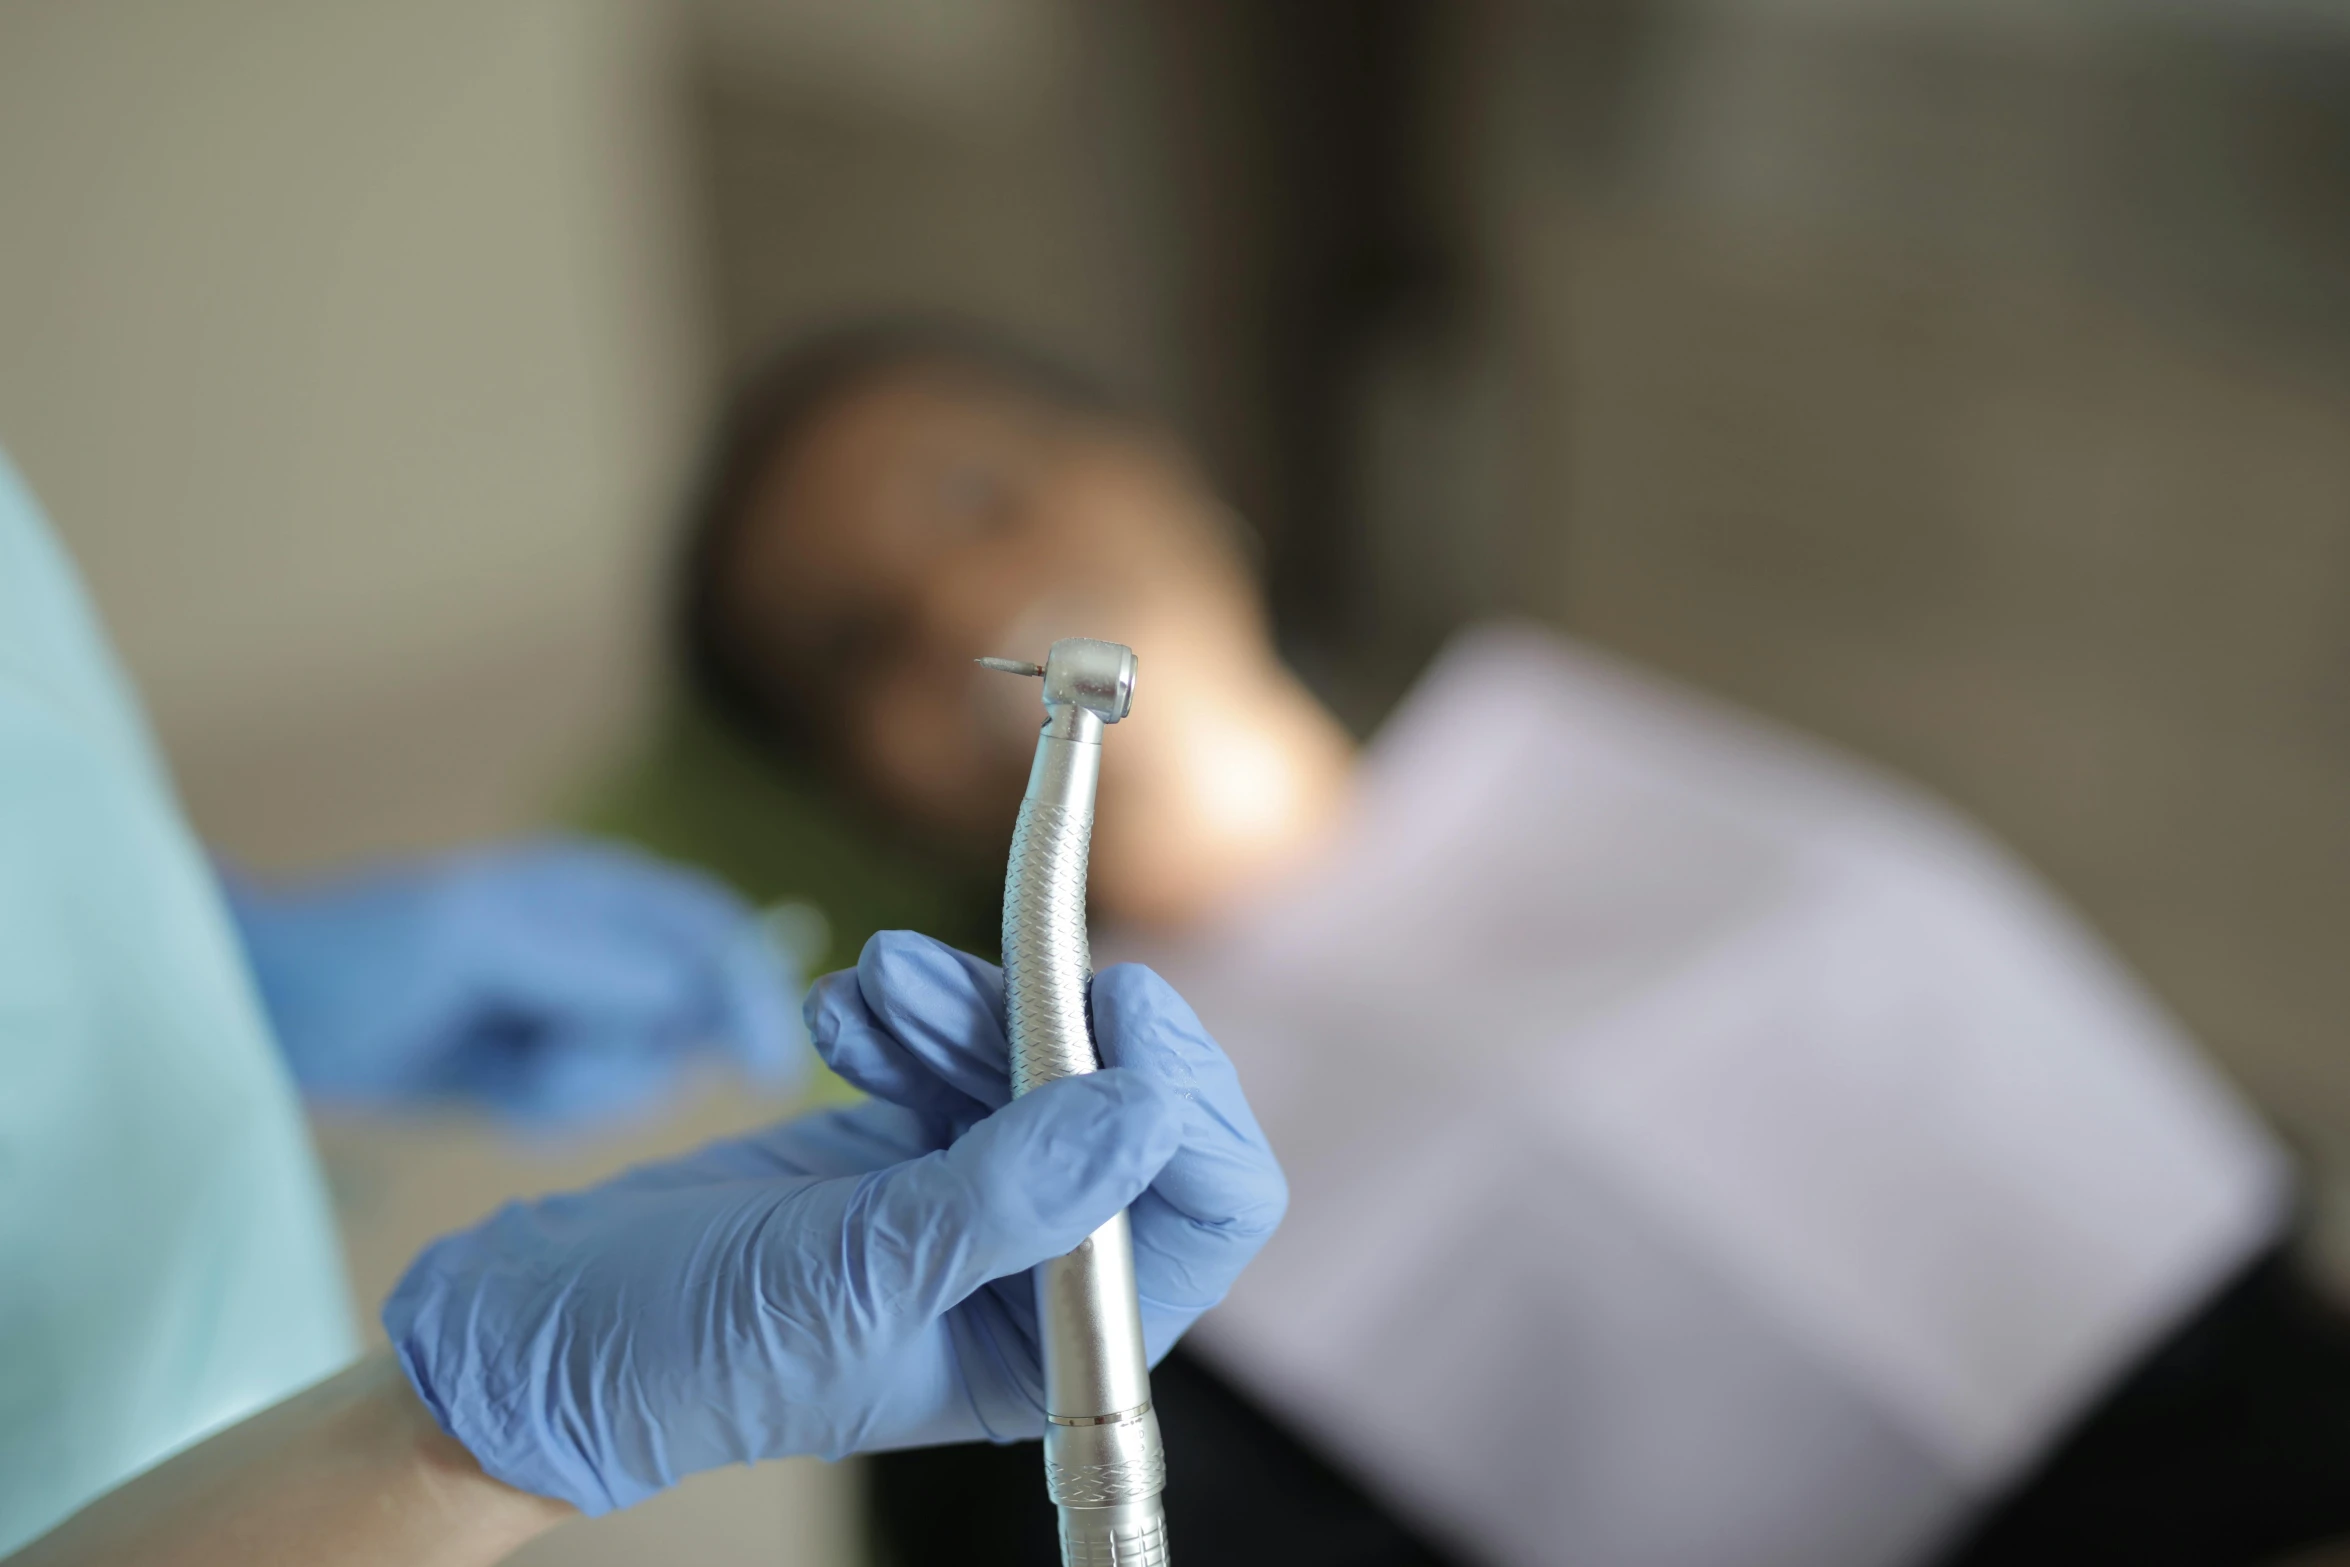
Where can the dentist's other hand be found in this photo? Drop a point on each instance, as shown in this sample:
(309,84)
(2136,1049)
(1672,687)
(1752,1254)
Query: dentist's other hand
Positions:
(552,981)
(852,1280)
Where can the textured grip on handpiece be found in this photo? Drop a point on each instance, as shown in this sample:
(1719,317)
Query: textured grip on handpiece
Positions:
(1104,1466)
(1048,964)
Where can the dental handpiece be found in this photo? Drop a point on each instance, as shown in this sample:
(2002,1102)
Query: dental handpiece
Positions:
(1103,1464)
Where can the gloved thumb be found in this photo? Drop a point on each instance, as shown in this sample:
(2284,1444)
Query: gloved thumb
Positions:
(1027,1183)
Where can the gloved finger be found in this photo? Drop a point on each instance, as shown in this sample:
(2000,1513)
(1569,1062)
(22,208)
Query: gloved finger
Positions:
(593,1074)
(735,981)
(587,933)
(850,1041)
(606,884)
(1026,1183)
(1221,1194)
(916,1023)
(944,1006)
(756,1024)
(560,967)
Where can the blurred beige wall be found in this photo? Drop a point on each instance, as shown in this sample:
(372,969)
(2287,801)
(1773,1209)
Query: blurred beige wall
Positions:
(998,163)
(351,348)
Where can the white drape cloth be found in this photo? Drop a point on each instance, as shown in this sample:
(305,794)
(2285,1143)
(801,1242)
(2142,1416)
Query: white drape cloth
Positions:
(1703,1150)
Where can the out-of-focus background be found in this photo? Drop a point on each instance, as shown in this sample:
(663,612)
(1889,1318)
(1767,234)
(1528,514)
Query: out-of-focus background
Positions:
(1967,381)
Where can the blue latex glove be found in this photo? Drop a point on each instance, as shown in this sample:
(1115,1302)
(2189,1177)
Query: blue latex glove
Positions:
(550,981)
(853,1280)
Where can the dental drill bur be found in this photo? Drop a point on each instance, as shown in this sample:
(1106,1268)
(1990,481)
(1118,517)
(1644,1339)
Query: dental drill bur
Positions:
(1103,1464)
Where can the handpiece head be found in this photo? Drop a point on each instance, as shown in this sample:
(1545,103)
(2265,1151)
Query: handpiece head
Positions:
(1080,672)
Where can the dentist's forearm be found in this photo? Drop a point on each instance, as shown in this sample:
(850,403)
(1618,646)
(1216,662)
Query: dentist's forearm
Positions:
(353,1471)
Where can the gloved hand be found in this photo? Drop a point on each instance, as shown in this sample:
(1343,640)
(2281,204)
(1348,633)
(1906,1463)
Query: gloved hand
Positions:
(853,1280)
(550,981)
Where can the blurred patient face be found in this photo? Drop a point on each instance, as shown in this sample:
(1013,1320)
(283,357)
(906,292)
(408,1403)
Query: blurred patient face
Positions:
(931,515)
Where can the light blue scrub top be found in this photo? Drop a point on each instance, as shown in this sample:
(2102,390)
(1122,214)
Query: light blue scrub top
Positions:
(167,1256)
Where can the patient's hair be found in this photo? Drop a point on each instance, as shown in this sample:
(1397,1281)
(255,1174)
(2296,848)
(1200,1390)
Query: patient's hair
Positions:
(769,413)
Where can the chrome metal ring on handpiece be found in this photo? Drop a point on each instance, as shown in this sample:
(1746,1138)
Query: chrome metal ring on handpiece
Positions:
(1104,1466)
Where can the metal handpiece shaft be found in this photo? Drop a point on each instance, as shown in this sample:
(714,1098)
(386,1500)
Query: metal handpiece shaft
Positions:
(1103,1463)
